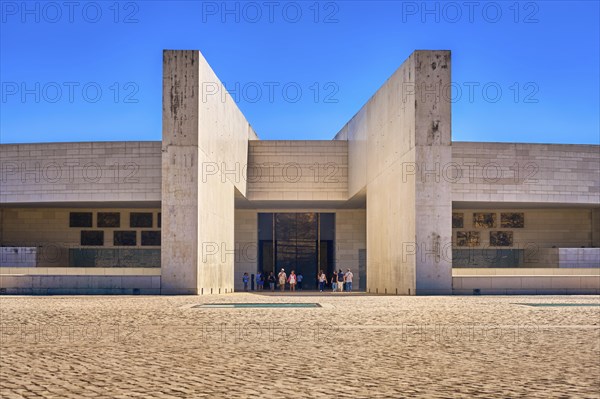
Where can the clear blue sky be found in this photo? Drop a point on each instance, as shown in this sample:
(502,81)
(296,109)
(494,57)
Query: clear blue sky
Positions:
(543,56)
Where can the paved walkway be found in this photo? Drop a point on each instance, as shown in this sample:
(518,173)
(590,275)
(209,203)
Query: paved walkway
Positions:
(354,346)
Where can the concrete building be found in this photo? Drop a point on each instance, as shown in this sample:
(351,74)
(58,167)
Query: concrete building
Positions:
(391,197)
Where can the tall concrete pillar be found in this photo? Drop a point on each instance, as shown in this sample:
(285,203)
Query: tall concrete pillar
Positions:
(399,147)
(433,157)
(205,148)
(179,237)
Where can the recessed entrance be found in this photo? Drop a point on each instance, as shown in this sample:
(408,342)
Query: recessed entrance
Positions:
(303,242)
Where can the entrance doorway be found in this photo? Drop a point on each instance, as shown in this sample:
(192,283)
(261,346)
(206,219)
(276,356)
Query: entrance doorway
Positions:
(303,242)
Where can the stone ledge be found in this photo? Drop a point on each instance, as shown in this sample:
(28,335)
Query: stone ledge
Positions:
(535,284)
(80,271)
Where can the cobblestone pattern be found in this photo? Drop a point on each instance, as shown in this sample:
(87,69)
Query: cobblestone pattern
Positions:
(355,346)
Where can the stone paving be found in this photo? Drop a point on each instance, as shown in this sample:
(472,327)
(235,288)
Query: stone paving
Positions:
(354,346)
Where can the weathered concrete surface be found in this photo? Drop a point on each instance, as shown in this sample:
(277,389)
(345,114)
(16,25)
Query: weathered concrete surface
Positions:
(433,193)
(392,347)
(180,213)
(402,129)
(205,136)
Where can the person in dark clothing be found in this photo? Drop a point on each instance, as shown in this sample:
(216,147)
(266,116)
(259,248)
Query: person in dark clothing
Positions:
(340,279)
(272,280)
(334,282)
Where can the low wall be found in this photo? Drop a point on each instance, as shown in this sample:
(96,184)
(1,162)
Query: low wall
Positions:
(525,281)
(579,257)
(114,257)
(74,281)
(18,256)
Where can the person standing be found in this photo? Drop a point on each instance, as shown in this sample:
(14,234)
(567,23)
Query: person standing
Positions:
(334,282)
(322,281)
(300,278)
(292,280)
(245,279)
(272,281)
(259,281)
(348,279)
(282,277)
(340,279)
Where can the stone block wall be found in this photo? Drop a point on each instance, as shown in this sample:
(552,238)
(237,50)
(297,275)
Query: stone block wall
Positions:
(297,170)
(519,172)
(80,172)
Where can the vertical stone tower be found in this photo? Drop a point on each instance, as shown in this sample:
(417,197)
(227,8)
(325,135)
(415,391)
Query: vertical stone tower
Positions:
(203,130)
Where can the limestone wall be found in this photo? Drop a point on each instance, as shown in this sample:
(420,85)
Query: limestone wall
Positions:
(518,172)
(81,284)
(297,170)
(538,281)
(80,172)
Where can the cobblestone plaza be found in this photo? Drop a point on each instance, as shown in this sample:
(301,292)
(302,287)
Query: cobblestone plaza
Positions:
(353,346)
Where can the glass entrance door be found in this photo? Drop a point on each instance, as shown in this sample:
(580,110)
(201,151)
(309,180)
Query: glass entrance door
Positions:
(303,242)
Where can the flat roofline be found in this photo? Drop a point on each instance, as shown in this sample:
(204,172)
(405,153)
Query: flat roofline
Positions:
(86,142)
(293,140)
(521,143)
(297,141)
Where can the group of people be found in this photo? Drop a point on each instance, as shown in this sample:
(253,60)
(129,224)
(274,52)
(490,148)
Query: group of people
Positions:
(264,281)
(340,281)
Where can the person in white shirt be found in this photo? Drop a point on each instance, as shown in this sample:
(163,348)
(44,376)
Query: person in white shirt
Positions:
(348,280)
(282,277)
(322,281)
